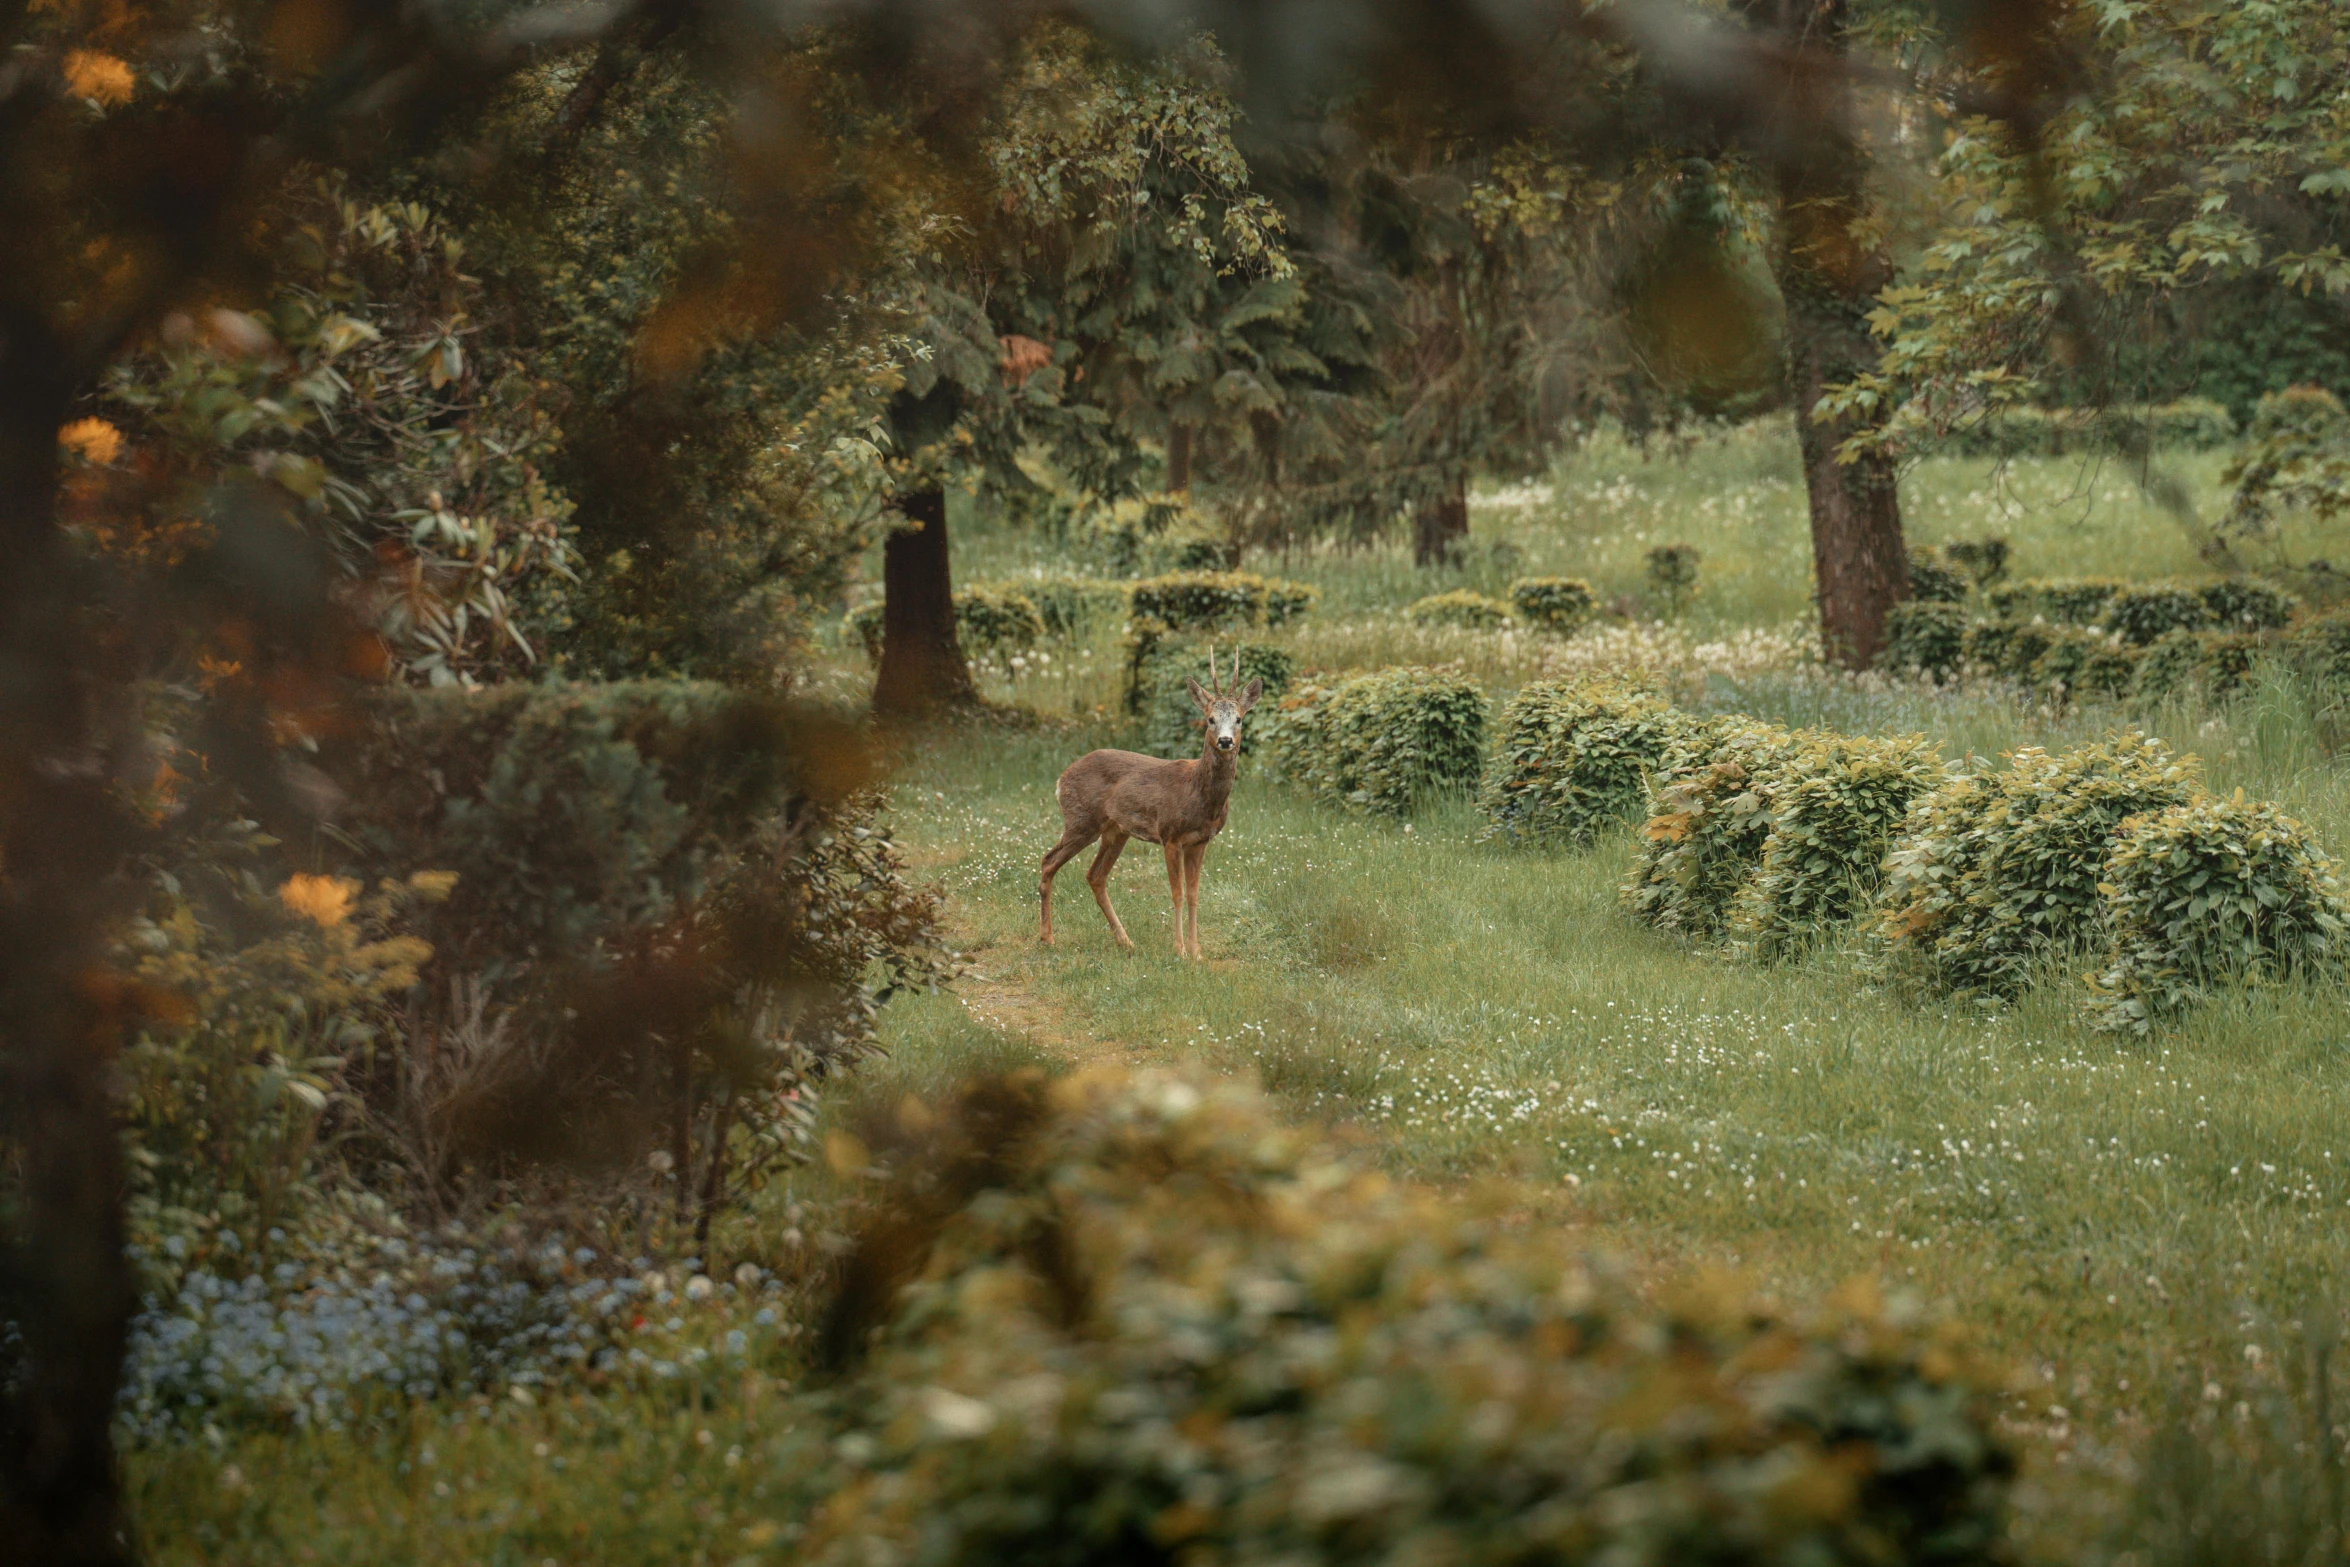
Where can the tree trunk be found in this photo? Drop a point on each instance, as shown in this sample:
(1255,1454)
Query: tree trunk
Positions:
(1442,526)
(1179,459)
(64,1278)
(1829,271)
(922,665)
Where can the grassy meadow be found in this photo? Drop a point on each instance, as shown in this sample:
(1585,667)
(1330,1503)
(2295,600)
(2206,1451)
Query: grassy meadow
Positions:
(2120,1219)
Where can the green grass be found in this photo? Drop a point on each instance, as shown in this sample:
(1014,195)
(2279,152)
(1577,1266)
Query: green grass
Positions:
(2106,1213)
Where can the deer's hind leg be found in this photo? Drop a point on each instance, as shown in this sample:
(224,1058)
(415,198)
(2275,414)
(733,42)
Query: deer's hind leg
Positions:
(1097,876)
(1073,841)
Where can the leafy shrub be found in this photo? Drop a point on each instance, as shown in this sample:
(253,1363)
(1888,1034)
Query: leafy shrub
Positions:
(1935,580)
(1072,606)
(997,622)
(1139,1321)
(1996,872)
(1927,636)
(1381,742)
(2241,604)
(2190,424)
(641,862)
(1707,826)
(2080,663)
(2297,460)
(1984,560)
(2008,647)
(1838,803)
(1672,575)
(1575,756)
(988,622)
(2069,601)
(1461,607)
(1171,720)
(2146,611)
(2216,663)
(1220,600)
(2210,894)
(1554,603)
(2320,647)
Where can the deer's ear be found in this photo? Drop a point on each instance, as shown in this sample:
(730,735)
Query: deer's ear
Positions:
(1249,694)
(1199,693)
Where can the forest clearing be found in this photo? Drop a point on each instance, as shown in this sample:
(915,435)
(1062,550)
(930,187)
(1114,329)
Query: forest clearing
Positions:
(1716,638)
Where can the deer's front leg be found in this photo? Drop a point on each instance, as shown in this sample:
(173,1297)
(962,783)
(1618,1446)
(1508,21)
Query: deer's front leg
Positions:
(1193,859)
(1175,855)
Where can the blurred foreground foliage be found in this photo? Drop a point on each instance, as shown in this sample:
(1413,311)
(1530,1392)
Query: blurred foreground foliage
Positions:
(1121,1319)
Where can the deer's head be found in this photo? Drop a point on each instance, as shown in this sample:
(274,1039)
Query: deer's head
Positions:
(1222,709)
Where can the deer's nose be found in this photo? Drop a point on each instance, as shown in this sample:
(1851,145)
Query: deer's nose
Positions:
(1223,742)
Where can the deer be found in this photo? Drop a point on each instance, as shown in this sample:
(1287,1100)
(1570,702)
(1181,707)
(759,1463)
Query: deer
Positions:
(1180,806)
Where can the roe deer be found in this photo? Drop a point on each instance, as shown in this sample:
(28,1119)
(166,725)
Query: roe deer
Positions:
(1117,795)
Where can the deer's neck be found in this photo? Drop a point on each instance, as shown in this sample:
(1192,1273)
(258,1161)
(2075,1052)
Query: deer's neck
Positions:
(1213,776)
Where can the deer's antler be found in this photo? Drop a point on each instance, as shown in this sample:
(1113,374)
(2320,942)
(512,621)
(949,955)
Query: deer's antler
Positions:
(1215,681)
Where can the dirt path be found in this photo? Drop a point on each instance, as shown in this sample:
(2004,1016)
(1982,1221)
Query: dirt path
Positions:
(996,993)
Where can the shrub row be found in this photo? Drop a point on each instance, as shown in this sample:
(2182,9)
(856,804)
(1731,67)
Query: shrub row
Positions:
(2190,424)
(990,622)
(1220,600)
(1766,838)
(1939,639)
(1150,1323)
(1573,757)
(1384,742)
(1461,607)
(2144,612)
(1553,603)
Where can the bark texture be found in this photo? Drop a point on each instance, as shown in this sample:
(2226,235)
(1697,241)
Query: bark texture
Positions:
(922,663)
(63,1275)
(1179,440)
(1441,526)
(1829,273)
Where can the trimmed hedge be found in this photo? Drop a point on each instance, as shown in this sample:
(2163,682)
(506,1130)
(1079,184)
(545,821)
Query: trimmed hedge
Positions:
(1707,826)
(988,621)
(2069,601)
(2216,663)
(1934,580)
(1576,756)
(1382,742)
(2145,612)
(1072,606)
(1461,607)
(1220,600)
(1997,872)
(2190,424)
(2083,663)
(1925,636)
(1171,720)
(2217,892)
(1554,603)
(1839,803)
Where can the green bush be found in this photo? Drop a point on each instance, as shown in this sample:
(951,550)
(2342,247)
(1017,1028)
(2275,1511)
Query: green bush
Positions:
(989,622)
(2190,424)
(2008,647)
(1673,571)
(1984,560)
(2241,604)
(2212,894)
(2068,601)
(1381,742)
(595,827)
(2146,611)
(1935,580)
(2319,647)
(1837,806)
(1925,636)
(1070,606)
(1707,825)
(1220,600)
(1997,872)
(1171,720)
(1558,604)
(1461,607)
(1576,756)
(1142,1322)
(2082,664)
(2215,663)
